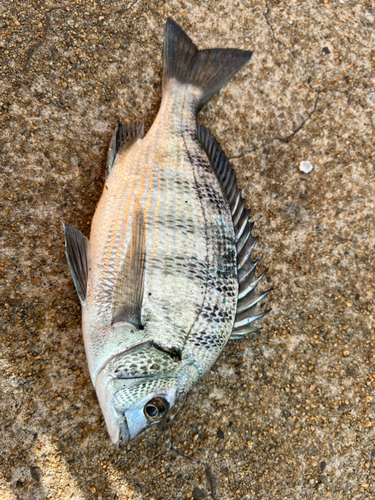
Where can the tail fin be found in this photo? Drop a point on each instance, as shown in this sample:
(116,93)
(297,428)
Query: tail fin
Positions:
(208,69)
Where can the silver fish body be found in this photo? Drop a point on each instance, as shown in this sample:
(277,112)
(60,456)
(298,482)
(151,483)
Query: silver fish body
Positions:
(160,279)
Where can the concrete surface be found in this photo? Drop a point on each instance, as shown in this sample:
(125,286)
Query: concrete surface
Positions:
(287,414)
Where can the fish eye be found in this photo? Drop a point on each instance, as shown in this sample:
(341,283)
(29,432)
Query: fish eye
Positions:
(156,409)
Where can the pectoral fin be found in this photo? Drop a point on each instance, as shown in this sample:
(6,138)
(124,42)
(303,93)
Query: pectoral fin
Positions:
(76,251)
(128,294)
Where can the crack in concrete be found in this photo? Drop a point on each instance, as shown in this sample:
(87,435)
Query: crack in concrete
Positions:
(282,139)
(277,41)
(317,92)
(290,136)
(270,26)
(211,482)
(265,14)
(182,454)
(210,479)
(37,45)
(129,7)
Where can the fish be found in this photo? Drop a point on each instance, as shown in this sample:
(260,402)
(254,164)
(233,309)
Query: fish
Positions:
(167,277)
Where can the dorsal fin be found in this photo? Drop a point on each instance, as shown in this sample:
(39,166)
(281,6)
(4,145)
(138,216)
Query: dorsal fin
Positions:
(128,294)
(124,137)
(76,251)
(248,296)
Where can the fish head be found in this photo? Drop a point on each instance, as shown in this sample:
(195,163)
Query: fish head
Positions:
(137,389)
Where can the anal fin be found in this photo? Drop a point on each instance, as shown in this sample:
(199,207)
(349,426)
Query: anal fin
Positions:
(76,251)
(129,288)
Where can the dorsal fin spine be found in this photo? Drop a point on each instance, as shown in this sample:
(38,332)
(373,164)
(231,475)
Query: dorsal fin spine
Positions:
(231,183)
(235,205)
(246,287)
(237,213)
(245,254)
(248,297)
(245,304)
(242,228)
(236,198)
(241,216)
(245,236)
(244,273)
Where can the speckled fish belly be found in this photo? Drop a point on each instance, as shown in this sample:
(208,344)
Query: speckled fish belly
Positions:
(167,276)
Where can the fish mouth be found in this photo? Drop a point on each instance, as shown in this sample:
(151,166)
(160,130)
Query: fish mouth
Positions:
(124,432)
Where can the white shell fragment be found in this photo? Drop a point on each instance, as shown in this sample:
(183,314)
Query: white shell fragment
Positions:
(305,166)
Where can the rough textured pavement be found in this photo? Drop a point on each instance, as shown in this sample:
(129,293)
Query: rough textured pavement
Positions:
(288,413)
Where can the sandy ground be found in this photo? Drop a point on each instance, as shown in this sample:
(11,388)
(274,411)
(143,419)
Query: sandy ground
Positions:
(286,414)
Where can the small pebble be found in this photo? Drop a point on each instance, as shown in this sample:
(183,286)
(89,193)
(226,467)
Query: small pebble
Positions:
(220,434)
(198,493)
(305,166)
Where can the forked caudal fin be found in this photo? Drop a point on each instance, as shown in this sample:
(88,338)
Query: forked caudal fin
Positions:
(208,69)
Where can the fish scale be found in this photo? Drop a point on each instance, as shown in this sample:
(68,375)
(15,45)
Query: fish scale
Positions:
(134,183)
(158,281)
